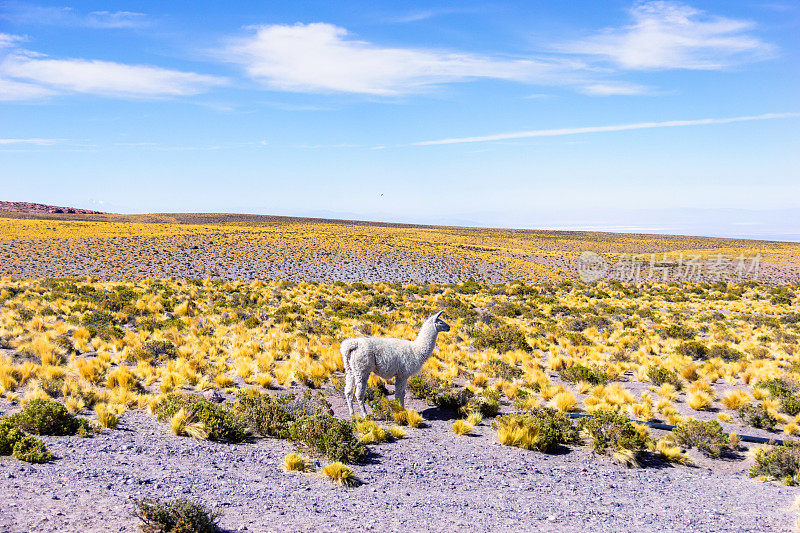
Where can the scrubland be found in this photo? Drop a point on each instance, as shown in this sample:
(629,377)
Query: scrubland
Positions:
(227,392)
(247,248)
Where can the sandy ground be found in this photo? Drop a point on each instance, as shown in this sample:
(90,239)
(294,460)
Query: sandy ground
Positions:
(431,480)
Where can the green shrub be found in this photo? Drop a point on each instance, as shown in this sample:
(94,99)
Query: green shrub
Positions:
(454,399)
(219,422)
(9,435)
(659,375)
(677,331)
(457,308)
(576,373)
(582,323)
(264,414)
(440,394)
(780,462)
(790,405)
(501,369)
(756,415)
(577,338)
(777,387)
(251,322)
(694,349)
(705,436)
(177,516)
(611,431)
(424,386)
(725,352)
(785,391)
(14,441)
(45,417)
(503,339)
(383,408)
(330,436)
(31,450)
(489,403)
(509,309)
(156,352)
(305,420)
(538,429)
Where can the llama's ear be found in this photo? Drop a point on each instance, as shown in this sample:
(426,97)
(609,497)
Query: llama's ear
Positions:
(437,315)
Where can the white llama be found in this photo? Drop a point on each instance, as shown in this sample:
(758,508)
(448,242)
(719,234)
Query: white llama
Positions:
(388,358)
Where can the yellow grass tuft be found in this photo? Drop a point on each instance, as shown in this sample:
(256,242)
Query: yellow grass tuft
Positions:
(625,457)
(341,474)
(105,417)
(725,417)
(184,423)
(475,418)
(462,427)
(413,418)
(735,399)
(564,401)
(296,463)
(371,432)
(700,401)
(671,453)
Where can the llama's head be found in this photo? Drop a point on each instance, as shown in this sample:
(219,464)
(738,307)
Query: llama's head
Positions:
(438,323)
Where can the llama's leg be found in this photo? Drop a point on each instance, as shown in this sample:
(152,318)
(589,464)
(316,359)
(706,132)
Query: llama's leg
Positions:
(400,390)
(349,385)
(361,392)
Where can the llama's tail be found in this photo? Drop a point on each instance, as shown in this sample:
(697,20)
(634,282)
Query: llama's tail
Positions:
(347,347)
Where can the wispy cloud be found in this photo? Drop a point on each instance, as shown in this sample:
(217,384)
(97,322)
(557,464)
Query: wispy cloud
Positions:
(322,57)
(671,35)
(33,141)
(116,19)
(426,14)
(26,75)
(22,13)
(14,91)
(106,78)
(614,89)
(604,129)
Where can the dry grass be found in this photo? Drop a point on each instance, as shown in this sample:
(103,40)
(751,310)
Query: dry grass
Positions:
(462,427)
(341,474)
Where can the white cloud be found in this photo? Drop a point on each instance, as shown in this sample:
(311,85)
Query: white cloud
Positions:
(614,89)
(7,40)
(34,141)
(320,57)
(14,90)
(604,129)
(671,35)
(115,19)
(27,75)
(105,78)
(21,13)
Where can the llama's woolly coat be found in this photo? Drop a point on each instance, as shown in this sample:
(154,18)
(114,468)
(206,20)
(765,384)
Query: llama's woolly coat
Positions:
(388,358)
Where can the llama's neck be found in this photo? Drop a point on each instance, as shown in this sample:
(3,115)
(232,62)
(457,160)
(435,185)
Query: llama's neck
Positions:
(425,342)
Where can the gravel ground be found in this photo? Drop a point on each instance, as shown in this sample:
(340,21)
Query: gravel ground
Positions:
(431,480)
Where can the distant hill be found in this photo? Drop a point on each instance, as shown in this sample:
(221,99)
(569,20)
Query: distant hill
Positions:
(28,207)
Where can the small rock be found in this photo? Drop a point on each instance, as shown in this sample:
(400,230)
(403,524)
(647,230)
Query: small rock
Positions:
(213,395)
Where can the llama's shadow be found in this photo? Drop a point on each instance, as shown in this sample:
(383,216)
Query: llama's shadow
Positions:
(372,458)
(731,455)
(437,413)
(560,449)
(653,461)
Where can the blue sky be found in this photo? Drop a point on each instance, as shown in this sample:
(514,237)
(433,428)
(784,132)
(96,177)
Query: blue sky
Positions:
(649,116)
